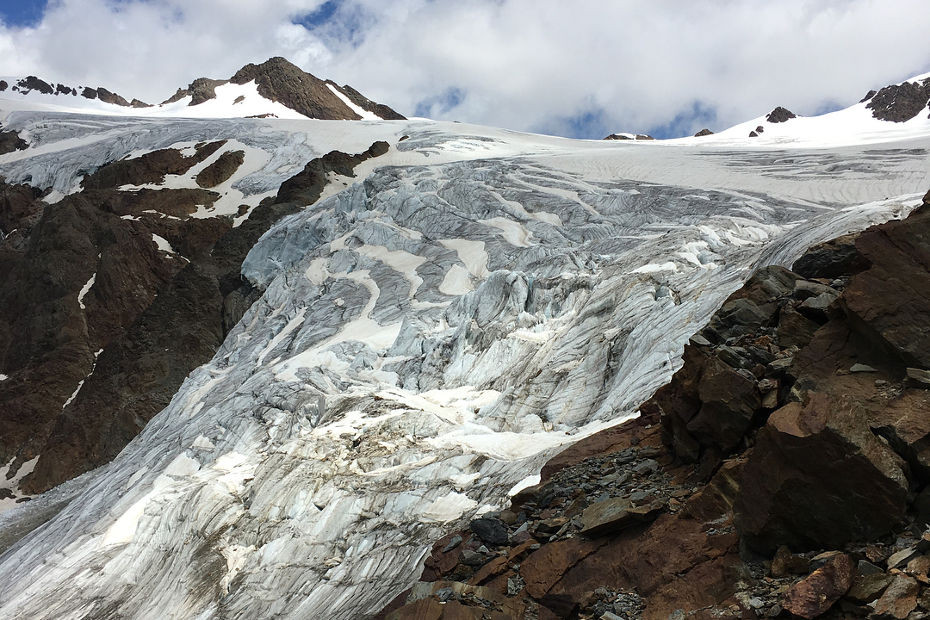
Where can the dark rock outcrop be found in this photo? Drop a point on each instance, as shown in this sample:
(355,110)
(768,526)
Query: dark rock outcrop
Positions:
(31,83)
(10,141)
(900,102)
(780,115)
(703,132)
(222,169)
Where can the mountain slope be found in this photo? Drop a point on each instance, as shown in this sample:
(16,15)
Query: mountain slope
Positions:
(420,341)
(275,88)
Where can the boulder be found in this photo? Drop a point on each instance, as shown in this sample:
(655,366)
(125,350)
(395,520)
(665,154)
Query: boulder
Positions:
(703,132)
(817,477)
(816,593)
(899,599)
(491,531)
(613,515)
(831,259)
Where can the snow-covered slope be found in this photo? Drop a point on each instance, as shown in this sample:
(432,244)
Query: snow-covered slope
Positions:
(275,88)
(426,337)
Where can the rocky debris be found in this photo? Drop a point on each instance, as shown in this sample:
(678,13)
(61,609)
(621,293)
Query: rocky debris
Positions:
(780,115)
(703,132)
(818,474)
(279,80)
(3,85)
(149,314)
(815,594)
(900,102)
(221,170)
(753,134)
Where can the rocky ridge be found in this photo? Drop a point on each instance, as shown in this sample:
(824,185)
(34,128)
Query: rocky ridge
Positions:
(781,473)
(277,80)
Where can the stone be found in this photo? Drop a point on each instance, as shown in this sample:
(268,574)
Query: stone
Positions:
(899,598)
(794,329)
(703,132)
(862,368)
(867,568)
(917,378)
(816,307)
(616,514)
(816,593)
(820,454)
(902,557)
(867,588)
(491,531)
(785,563)
(455,542)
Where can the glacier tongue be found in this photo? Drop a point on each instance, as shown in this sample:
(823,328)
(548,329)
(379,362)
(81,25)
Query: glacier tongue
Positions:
(425,340)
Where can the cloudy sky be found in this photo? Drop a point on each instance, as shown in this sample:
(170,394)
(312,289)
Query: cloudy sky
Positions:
(583,68)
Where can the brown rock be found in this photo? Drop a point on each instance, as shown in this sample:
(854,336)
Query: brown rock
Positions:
(786,563)
(899,599)
(816,593)
(703,132)
(867,588)
(818,477)
(888,304)
(616,514)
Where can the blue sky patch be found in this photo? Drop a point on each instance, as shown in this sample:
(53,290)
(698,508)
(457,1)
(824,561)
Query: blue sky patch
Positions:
(319,16)
(439,105)
(687,122)
(22,13)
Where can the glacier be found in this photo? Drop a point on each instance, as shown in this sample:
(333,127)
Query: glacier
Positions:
(428,335)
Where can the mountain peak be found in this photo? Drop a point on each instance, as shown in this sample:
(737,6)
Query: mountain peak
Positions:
(280,80)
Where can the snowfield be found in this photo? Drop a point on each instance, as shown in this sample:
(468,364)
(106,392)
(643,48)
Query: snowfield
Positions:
(430,332)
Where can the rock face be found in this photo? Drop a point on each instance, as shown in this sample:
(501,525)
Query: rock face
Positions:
(809,457)
(108,303)
(900,102)
(703,132)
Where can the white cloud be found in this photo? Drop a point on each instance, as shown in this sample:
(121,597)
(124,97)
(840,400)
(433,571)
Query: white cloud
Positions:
(524,64)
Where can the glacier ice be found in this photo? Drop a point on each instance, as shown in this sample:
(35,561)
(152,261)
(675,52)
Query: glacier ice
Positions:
(425,340)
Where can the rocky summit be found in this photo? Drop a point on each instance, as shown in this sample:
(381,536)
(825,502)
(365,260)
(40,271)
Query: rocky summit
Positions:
(269,349)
